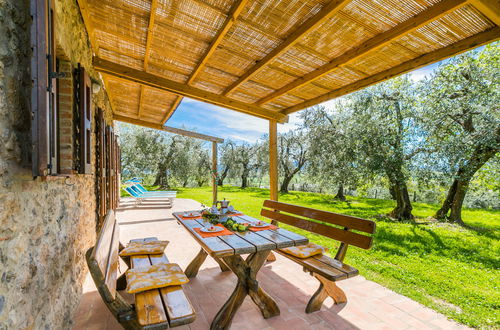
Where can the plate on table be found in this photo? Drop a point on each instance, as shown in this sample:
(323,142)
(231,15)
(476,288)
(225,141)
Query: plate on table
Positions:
(213,229)
(191,214)
(259,224)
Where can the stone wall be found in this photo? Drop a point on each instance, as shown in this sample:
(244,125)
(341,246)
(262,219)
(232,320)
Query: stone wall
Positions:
(45,225)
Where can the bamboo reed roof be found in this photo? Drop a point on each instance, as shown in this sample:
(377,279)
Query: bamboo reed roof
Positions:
(270,58)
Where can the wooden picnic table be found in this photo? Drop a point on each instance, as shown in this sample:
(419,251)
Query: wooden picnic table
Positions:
(227,251)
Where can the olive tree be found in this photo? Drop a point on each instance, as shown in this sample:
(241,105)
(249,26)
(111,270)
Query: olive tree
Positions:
(245,161)
(332,148)
(227,161)
(292,155)
(384,124)
(460,109)
(146,150)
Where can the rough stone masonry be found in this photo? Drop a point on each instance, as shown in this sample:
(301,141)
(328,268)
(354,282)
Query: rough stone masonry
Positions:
(45,225)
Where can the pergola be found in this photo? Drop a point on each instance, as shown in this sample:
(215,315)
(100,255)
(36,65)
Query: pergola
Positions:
(269,58)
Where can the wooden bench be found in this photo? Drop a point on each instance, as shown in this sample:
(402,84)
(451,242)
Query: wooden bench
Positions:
(327,270)
(153,309)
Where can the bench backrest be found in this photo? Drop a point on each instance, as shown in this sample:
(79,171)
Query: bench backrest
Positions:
(299,217)
(104,257)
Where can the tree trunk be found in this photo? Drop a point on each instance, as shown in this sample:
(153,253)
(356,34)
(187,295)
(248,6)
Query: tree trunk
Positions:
(184,184)
(397,182)
(244,177)
(285,183)
(392,191)
(403,208)
(340,193)
(161,177)
(222,177)
(456,194)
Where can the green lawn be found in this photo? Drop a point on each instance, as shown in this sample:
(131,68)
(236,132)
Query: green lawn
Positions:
(445,267)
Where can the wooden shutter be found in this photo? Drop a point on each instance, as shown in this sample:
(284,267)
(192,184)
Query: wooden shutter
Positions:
(109,166)
(115,172)
(43,95)
(85,114)
(102,203)
(112,169)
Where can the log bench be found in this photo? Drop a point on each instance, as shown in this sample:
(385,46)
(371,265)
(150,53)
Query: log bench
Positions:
(326,269)
(153,309)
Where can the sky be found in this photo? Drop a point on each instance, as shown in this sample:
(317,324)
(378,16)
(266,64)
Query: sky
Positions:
(228,124)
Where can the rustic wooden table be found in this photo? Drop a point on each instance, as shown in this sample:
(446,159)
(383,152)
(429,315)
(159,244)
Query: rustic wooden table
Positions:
(227,251)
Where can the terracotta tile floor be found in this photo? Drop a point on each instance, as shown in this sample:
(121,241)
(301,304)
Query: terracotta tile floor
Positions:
(369,306)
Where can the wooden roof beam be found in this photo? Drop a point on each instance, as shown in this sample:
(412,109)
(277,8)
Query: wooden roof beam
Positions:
(431,14)
(423,60)
(233,14)
(228,23)
(152,80)
(489,8)
(167,128)
(312,23)
(149,40)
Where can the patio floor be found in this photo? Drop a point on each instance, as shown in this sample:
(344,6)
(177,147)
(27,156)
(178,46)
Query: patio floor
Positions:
(369,306)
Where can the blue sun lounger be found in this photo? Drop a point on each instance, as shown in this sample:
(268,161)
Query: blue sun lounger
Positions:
(139,198)
(143,190)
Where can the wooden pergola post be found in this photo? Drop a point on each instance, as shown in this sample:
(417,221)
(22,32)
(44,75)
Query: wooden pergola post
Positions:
(214,172)
(273,169)
(273,160)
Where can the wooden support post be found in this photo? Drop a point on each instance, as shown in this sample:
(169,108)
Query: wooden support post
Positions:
(214,173)
(273,169)
(273,160)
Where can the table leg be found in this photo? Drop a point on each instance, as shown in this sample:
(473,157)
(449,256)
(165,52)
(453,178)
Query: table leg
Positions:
(246,271)
(195,264)
(222,265)
(266,304)
(225,315)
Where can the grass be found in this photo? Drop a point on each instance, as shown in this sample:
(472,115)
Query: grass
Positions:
(451,269)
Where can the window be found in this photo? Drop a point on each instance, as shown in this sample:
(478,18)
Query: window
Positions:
(61,97)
